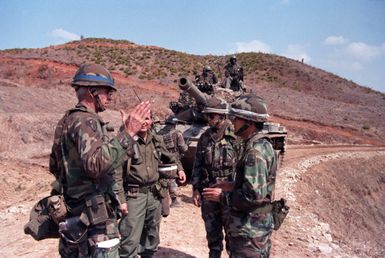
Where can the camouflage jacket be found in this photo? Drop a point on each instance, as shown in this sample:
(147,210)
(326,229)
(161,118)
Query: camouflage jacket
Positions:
(83,157)
(234,71)
(142,168)
(173,140)
(215,157)
(254,187)
(206,78)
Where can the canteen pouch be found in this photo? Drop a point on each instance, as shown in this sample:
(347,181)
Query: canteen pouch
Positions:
(57,208)
(279,211)
(96,209)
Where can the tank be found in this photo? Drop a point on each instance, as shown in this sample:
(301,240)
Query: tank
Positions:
(192,123)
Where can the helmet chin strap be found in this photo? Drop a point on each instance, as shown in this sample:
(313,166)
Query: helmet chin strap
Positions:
(243,128)
(99,107)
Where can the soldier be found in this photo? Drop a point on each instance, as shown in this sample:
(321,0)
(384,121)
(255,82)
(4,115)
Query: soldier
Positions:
(139,228)
(174,141)
(214,161)
(205,82)
(156,123)
(234,75)
(83,159)
(250,224)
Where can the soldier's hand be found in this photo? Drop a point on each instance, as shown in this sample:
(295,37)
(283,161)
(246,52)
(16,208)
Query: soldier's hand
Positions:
(124,208)
(135,119)
(197,198)
(212,194)
(182,177)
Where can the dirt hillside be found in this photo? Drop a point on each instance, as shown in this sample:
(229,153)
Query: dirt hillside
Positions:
(333,172)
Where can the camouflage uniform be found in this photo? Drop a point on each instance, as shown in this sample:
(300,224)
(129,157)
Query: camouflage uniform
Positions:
(214,160)
(206,80)
(83,159)
(174,141)
(249,231)
(249,227)
(139,229)
(234,75)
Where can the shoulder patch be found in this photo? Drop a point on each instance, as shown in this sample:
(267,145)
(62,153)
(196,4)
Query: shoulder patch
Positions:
(92,124)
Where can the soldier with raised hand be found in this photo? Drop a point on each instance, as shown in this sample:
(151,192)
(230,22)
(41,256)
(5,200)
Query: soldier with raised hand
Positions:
(83,159)
(139,227)
(214,161)
(250,223)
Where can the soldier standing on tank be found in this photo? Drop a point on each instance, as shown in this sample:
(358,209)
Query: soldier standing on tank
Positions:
(139,228)
(174,141)
(214,161)
(83,158)
(250,223)
(206,80)
(234,75)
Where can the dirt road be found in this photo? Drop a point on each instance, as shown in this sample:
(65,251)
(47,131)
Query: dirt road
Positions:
(336,195)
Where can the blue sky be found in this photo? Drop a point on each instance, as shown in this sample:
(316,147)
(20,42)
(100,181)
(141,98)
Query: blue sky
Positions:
(345,37)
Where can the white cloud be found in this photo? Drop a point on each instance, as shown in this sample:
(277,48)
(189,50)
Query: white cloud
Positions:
(335,40)
(364,52)
(297,52)
(252,46)
(64,35)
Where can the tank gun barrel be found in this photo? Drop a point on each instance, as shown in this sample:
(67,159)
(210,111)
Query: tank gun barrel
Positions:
(189,87)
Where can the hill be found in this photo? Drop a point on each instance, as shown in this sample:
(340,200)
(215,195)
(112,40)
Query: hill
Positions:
(315,105)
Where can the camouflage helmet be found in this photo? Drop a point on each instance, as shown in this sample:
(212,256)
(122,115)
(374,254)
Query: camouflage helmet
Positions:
(216,105)
(155,118)
(250,107)
(171,120)
(91,75)
(233,58)
(207,69)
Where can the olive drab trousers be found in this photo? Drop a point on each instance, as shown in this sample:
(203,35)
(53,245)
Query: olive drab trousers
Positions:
(139,229)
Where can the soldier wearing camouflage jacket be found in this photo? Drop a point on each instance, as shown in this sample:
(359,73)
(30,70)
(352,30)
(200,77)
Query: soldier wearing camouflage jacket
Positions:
(83,159)
(250,225)
(214,161)
(174,141)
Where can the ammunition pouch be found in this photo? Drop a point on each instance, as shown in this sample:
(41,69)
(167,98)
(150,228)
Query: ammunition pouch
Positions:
(279,210)
(222,174)
(97,210)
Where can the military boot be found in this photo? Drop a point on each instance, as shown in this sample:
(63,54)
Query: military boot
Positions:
(215,254)
(175,203)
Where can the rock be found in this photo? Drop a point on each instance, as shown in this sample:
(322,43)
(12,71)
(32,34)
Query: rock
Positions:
(325,248)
